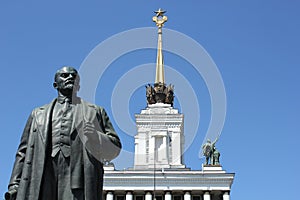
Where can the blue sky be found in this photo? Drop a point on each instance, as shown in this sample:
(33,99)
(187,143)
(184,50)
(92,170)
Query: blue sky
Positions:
(255,45)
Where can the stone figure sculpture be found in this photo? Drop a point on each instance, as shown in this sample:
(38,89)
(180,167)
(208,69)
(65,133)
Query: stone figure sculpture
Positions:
(211,153)
(215,156)
(160,93)
(63,147)
(150,94)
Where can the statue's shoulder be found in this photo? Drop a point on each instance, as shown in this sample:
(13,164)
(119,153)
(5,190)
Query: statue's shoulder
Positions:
(43,108)
(92,105)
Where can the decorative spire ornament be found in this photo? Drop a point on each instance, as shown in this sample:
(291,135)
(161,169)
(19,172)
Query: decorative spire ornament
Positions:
(160,93)
(159,19)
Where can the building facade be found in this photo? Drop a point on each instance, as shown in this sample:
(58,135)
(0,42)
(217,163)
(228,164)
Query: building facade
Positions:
(210,183)
(159,172)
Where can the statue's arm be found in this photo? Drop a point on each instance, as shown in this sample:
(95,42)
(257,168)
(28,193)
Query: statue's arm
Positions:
(111,143)
(109,130)
(213,144)
(100,138)
(19,160)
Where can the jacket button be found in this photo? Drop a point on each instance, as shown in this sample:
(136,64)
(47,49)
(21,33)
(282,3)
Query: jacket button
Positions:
(25,179)
(28,162)
(34,130)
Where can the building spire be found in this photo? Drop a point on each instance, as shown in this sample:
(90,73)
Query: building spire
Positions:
(160,93)
(159,19)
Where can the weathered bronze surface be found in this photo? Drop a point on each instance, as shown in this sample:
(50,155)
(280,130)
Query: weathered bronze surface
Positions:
(160,94)
(211,153)
(63,147)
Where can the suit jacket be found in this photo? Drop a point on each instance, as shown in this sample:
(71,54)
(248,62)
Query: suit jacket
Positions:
(85,160)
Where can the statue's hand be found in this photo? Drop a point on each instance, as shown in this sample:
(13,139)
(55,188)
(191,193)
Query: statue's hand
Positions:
(12,193)
(92,139)
(89,129)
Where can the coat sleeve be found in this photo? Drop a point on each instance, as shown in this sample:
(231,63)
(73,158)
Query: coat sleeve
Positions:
(110,142)
(20,157)
(99,136)
(108,128)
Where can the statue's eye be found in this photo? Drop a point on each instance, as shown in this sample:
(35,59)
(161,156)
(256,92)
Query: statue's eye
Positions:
(64,75)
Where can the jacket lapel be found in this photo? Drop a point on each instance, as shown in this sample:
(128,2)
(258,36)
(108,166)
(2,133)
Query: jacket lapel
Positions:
(43,117)
(77,117)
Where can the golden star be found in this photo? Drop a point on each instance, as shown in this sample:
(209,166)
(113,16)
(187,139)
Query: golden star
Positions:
(160,12)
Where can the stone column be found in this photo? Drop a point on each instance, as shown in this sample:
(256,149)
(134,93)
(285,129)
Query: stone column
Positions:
(109,196)
(163,150)
(129,196)
(206,196)
(176,148)
(226,196)
(148,196)
(152,150)
(187,196)
(168,196)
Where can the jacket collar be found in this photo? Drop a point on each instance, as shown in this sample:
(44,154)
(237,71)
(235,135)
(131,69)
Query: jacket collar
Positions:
(62,99)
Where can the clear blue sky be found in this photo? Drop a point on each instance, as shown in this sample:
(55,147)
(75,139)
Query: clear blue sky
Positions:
(255,45)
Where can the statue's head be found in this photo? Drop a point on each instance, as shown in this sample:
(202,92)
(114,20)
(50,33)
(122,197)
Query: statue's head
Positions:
(66,81)
(208,141)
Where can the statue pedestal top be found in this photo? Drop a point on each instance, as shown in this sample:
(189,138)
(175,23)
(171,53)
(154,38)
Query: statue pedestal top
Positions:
(212,168)
(159,105)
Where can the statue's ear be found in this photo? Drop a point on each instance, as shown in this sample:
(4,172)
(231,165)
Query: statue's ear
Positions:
(55,85)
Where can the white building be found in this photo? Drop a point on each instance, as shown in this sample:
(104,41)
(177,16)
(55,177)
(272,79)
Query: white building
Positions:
(159,172)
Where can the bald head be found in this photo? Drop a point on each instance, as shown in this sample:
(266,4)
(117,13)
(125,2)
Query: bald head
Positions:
(66,80)
(65,69)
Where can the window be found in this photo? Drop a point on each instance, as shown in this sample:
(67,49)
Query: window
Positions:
(177,197)
(158,197)
(139,197)
(197,197)
(120,197)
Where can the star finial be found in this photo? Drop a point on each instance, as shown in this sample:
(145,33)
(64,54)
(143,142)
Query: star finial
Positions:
(160,18)
(160,12)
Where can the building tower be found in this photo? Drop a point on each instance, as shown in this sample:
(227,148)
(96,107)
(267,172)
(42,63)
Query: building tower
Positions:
(159,172)
(159,141)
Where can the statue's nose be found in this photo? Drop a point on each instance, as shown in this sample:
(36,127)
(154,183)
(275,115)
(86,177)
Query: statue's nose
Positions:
(71,76)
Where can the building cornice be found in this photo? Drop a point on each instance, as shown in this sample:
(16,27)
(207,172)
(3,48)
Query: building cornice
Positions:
(167,180)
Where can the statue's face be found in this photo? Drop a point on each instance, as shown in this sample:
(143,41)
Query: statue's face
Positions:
(66,80)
